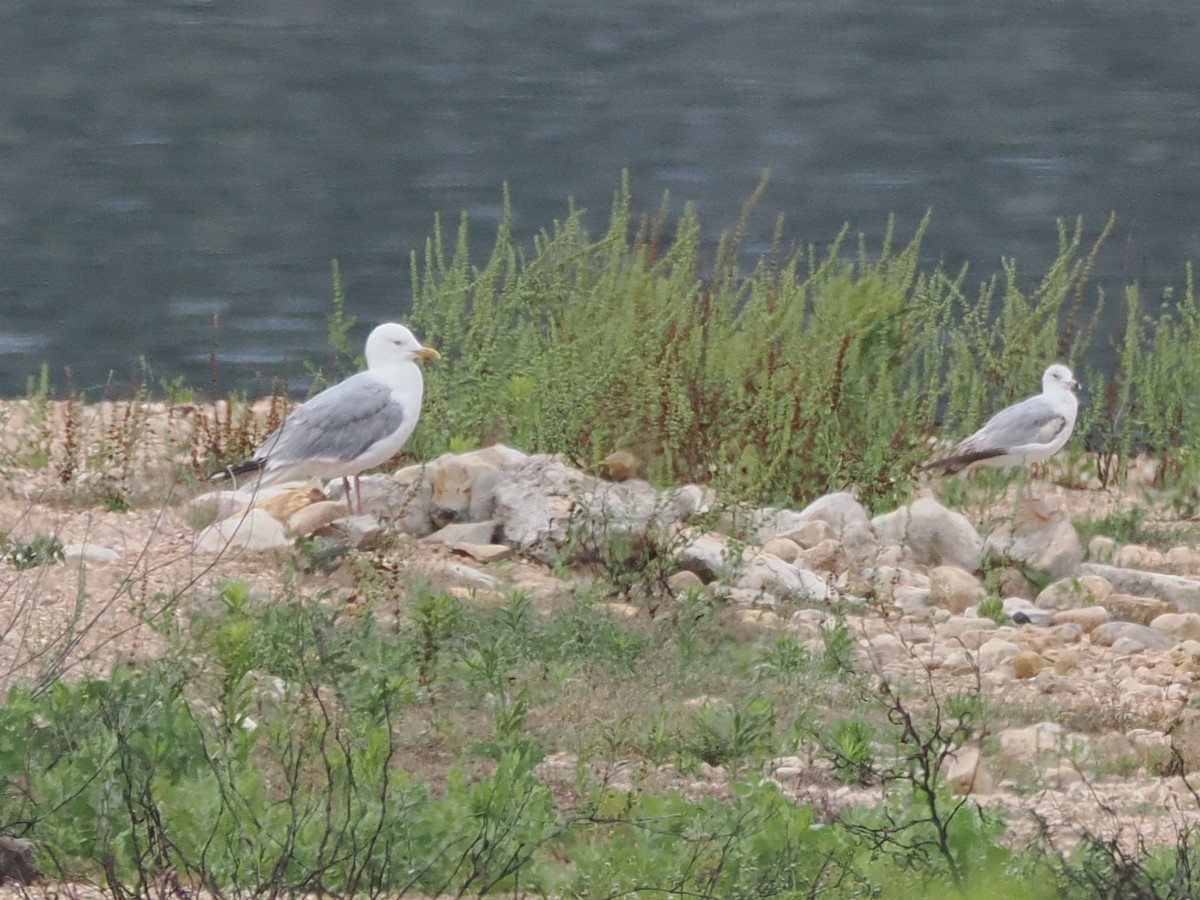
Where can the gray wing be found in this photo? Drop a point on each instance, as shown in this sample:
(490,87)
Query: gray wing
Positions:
(1032,421)
(339,423)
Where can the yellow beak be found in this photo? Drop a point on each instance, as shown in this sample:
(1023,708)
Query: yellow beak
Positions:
(427,353)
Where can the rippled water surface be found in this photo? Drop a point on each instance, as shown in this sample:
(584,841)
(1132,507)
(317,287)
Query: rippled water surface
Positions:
(164,161)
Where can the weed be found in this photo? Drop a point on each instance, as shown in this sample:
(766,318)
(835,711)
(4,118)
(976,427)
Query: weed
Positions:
(993,608)
(39,550)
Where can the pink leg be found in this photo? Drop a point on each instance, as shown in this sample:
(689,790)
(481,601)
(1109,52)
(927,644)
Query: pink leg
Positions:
(346,492)
(358,495)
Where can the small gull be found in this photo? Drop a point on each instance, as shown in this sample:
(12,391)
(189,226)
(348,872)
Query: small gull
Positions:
(1024,433)
(357,424)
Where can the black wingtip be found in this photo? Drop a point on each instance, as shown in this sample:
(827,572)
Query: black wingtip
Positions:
(242,468)
(952,465)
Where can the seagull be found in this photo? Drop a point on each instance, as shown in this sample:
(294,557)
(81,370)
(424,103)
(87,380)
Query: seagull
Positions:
(357,424)
(1024,433)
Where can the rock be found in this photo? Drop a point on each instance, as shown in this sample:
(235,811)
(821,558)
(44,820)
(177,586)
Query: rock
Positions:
(827,556)
(1023,744)
(1184,560)
(18,860)
(966,773)
(1142,610)
(884,648)
(315,516)
(1183,592)
(403,500)
(484,553)
(958,662)
(358,532)
(1180,626)
(1039,537)
(1027,664)
(912,601)
(77,552)
(213,505)
(472,578)
(465,533)
(255,531)
(786,550)
(1072,593)
(1145,637)
(839,511)
(282,506)
(771,574)
(684,581)
(544,504)
(969,633)
(620,465)
(1087,617)
(763,618)
(1135,556)
(932,534)
(996,653)
(809,534)
(954,589)
(1023,612)
(1102,549)
(706,555)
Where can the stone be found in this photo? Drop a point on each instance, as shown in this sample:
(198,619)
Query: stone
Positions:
(1023,744)
(954,589)
(402,499)
(469,577)
(1087,617)
(465,533)
(1101,549)
(1144,636)
(786,550)
(997,653)
(18,861)
(1024,612)
(912,601)
(95,554)
(683,581)
(212,506)
(1183,592)
(1135,556)
(826,556)
(965,772)
(958,662)
(315,516)
(282,506)
(1040,538)
(545,507)
(706,555)
(620,465)
(484,553)
(839,510)
(763,618)
(255,531)
(885,648)
(1184,560)
(1181,626)
(358,532)
(771,574)
(1027,664)
(1072,593)
(809,534)
(1142,610)
(932,534)
(964,629)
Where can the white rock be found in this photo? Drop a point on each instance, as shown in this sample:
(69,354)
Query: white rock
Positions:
(255,531)
(472,578)
(1183,592)
(1040,538)
(1024,612)
(1101,549)
(1072,593)
(1143,636)
(932,534)
(1181,626)
(78,552)
(1023,744)
(707,555)
(958,662)
(996,653)
(966,772)
(1086,617)
(465,533)
(954,589)
(785,549)
(769,573)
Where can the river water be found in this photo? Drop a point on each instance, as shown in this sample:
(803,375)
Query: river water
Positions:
(165,161)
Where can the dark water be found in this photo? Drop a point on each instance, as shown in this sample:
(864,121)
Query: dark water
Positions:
(163,161)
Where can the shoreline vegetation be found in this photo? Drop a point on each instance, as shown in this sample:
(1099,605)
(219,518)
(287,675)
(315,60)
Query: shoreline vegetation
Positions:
(363,723)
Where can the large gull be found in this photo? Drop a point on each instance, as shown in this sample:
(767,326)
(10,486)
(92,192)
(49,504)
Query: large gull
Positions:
(357,424)
(1024,433)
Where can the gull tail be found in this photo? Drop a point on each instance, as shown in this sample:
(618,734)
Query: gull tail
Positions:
(242,468)
(952,465)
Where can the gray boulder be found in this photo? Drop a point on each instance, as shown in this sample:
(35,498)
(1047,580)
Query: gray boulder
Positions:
(1040,539)
(1183,592)
(931,534)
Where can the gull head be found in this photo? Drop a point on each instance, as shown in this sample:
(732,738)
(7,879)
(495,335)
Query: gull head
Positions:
(392,343)
(1058,377)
